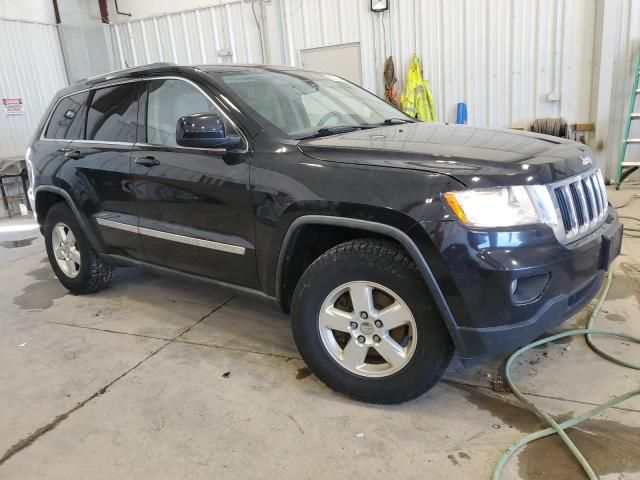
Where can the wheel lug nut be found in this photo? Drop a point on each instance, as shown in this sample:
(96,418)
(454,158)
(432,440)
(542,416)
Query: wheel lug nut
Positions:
(364,315)
(378,323)
(361,339)
(376,338)
(353,325)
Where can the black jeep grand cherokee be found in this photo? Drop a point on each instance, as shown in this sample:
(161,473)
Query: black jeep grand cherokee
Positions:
(392,243)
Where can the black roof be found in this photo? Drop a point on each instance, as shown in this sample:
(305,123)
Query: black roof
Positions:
(229,67)
(165,68)
(159,67)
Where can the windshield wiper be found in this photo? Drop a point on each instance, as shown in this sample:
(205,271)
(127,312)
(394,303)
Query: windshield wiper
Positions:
(390,121)
(326,131)
(396,121)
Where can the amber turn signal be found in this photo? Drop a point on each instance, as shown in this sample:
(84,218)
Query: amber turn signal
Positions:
(452,201)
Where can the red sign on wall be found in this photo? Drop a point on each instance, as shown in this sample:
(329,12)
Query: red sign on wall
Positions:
(13,106)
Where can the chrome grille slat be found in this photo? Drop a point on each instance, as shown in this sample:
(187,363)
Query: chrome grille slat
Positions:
(603,190)
(584,221)
(563,207)
(572,210)
(590,201)
(580,203)
(596,190)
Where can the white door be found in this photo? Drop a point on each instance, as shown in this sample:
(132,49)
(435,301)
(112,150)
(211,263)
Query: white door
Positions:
(342,60)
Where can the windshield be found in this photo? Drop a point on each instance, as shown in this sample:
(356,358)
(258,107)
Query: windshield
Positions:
(298,104)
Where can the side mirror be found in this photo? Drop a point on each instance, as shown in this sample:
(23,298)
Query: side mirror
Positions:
(204,130)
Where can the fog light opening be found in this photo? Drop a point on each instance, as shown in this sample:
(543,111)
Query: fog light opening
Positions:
(529,289)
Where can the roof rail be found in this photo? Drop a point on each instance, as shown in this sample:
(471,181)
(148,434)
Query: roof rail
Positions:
(126,70)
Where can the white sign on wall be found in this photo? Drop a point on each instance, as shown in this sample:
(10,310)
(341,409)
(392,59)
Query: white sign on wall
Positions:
(13,106)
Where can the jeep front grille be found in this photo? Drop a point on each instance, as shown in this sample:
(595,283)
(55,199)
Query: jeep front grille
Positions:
(581,205)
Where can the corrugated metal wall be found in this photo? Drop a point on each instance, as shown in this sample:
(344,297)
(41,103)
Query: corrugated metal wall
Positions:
(31,68)
(626,51)
(501,57)
(318,23)
(509,60)
(189,37)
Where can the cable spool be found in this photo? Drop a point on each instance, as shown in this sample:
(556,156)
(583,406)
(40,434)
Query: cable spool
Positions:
(550,126)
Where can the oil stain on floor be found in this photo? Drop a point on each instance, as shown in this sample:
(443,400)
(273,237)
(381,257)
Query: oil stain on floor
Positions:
(615,317)
(40,294)
(511,415)
(25,242)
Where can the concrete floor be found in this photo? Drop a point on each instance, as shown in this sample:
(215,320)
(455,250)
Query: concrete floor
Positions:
(155,378)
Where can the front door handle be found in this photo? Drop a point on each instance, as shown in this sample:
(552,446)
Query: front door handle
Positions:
(147,161)
(74,155)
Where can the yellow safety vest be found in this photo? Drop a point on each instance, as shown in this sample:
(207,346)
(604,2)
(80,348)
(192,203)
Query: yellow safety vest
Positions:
(416,100)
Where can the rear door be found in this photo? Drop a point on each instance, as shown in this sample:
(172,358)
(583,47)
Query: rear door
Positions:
(65,124)
(99,165)
(194,204)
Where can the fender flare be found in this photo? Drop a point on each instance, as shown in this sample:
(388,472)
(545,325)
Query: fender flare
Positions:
(383,229)
(82,221)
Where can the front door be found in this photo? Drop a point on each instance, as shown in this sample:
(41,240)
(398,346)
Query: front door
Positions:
(194,204)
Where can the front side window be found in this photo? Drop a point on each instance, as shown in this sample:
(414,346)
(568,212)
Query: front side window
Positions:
(295,104)
(67,118)
(112,116)
(169,100)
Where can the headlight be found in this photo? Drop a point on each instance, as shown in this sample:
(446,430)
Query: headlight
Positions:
(502,206)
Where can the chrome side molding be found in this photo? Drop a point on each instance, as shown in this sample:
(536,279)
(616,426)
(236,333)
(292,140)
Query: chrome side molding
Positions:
(197,242)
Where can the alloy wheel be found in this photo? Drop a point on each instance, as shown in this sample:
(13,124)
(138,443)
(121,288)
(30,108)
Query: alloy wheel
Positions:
(367,329)
(65,250)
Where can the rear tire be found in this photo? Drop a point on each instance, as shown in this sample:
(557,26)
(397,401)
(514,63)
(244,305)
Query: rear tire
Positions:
(367,357)
(74,261)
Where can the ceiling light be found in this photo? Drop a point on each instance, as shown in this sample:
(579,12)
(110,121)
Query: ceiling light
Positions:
(379,5)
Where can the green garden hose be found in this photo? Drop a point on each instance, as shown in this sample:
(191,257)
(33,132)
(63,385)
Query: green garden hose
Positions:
(559,428)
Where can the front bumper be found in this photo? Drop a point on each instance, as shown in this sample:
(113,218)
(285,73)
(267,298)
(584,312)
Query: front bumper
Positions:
(485,270)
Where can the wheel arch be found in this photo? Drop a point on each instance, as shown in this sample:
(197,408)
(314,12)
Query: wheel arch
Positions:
(376,229)
(48,195)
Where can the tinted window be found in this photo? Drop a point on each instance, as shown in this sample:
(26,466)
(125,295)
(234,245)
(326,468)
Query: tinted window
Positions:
(168,101)
(112,115)
(67,119)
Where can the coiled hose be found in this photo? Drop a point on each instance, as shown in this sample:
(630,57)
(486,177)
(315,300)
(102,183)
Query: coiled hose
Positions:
(559,428)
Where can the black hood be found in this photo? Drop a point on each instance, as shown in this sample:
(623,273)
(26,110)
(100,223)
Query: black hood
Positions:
(477,157)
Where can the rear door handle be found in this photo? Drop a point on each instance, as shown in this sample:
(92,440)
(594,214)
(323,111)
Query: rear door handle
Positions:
(147,161)
(74,155)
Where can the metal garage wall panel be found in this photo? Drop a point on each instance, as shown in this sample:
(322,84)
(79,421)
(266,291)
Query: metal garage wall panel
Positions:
(317,23)
(191,37)
(501,57)
(31,68)
(626,56)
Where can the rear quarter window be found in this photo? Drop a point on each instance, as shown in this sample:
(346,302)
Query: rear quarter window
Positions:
(68,118)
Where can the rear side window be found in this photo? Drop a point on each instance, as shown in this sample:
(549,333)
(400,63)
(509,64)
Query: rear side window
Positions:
(67,118)
(113,114)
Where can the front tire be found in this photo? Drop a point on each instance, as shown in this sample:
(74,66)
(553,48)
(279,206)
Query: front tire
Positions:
(74,261)
(365,323)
